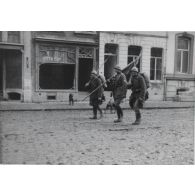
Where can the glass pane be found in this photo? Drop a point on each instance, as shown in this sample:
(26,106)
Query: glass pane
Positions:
(156,52)
(185,62)
(134,50)
(178,61)
(159,64)
(13,36)
(130,59)
(152,67)
(158,74)
(152,63)
(183,43)
(151,74)
(111,48)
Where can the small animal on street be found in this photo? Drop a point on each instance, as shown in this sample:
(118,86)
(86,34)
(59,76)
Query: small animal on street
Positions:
(71,99)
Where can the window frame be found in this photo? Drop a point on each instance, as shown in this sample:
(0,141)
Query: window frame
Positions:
(190,38)
(155,64)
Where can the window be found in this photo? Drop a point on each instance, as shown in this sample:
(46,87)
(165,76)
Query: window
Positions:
(133,53)
(156,64)
(183,54)
(56,76)
(110,59)
(14,36)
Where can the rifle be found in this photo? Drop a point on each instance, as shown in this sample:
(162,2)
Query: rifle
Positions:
(127,68)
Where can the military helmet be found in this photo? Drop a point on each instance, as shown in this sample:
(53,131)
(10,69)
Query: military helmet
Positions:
(94,72)
(117,68)
(134,69)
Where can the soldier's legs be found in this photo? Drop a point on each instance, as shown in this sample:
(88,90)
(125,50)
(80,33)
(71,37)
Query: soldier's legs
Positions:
(100,110)
(137,113)
(118,110)
(94,112)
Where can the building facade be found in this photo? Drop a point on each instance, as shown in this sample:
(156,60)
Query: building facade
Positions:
(168,58)
(46,65)
(41,66)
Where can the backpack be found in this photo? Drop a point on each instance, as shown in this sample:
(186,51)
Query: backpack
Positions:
(146,79)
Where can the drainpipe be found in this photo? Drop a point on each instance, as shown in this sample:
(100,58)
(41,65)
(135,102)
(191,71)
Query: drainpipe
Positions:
(164,71)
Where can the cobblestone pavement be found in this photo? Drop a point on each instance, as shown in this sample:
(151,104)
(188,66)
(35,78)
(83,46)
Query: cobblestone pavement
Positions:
(69,137)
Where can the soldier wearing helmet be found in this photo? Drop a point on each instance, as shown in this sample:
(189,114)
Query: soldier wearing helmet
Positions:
(119,90)
(95,99)
(137,98)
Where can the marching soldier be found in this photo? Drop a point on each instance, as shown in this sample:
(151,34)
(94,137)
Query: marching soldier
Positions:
(96,97)
(137,98)
(119,89)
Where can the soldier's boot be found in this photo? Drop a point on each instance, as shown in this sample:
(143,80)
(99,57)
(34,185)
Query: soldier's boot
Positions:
(94,114)
(119,117)
(101,114)
(138,119)
(118,120)
(94,117)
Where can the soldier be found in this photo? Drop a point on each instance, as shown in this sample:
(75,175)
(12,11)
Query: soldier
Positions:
(96,96)
(119,89)
(137,98)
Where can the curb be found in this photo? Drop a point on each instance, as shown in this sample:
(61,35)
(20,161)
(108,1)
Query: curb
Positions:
(85,109)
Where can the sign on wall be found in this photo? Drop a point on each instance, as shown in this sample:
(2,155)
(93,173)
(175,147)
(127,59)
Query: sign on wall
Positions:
(56,54)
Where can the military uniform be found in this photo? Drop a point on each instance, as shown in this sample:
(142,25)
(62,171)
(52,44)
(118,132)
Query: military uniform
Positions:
(119,90)
(95,98)
(137,98)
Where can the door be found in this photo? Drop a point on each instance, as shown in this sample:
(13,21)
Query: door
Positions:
(85,68)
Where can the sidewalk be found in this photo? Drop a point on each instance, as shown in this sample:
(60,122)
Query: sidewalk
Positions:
(20,106)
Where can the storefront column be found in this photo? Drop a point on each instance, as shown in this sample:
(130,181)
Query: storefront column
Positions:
(27,78)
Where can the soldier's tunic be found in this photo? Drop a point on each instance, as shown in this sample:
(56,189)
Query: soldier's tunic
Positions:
(138,88)
(94,83)
(119,88)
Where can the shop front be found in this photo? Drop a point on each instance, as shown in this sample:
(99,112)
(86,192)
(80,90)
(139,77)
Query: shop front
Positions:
(61,69)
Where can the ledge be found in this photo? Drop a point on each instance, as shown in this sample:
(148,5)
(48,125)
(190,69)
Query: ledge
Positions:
(53,40)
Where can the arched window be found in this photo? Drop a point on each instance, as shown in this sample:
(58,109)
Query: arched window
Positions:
(184,47)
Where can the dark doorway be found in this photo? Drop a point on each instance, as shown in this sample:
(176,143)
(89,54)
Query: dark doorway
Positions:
(10,71)
(85,68)
(56,76)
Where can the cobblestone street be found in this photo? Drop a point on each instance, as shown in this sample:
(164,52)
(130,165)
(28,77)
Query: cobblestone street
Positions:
(70,137)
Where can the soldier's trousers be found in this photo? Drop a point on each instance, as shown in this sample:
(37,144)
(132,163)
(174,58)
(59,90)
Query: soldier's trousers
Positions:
(135,103)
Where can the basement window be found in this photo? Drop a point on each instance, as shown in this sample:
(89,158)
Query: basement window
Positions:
(14,96)
(51,97)
(56,76)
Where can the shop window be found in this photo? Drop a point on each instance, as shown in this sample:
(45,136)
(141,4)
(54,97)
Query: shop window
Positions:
(56,76)
(133,53)
(156,64)
(183,53)
(14,36)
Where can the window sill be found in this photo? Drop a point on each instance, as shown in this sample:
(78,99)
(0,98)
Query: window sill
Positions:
(156,81)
